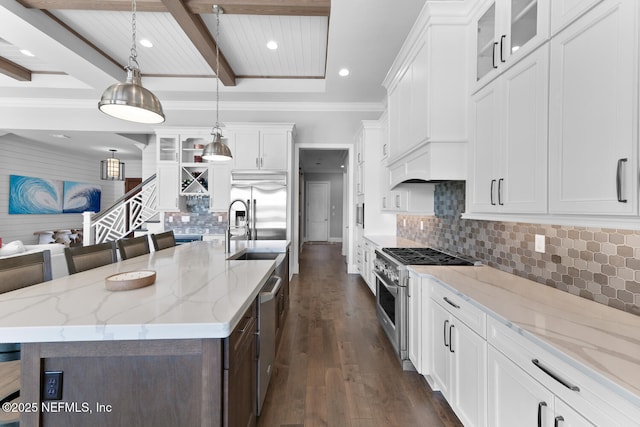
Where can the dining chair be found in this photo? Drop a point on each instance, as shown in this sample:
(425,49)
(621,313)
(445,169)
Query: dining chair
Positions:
(163,240)
(133,247)
(81,258)
(15,273)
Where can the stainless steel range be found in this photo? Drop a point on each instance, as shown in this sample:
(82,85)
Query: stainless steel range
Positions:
(390,269)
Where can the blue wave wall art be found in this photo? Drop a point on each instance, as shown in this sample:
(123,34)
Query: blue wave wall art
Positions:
(79,197)
(34,195)
(28,195)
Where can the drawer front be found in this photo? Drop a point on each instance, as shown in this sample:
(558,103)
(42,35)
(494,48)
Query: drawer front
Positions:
(560,374)
(241,336)
(459,305)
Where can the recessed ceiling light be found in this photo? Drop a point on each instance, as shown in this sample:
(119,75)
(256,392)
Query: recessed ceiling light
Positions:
(59,135)
(25,52)
(344,72)
(514,48)
(272,45)
(146,43)
(342,166)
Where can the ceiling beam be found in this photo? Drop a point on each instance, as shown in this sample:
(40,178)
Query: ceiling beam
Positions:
(244,7)
(14,70)
(197,31)
(264,7)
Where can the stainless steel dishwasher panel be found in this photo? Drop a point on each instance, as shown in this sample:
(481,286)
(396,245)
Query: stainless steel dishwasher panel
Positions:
(267,336)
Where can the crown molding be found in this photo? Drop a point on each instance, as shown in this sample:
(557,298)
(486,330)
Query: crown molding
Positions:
(204,105)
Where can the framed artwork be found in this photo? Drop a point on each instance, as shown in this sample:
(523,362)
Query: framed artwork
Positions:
(29,195)
(80,197)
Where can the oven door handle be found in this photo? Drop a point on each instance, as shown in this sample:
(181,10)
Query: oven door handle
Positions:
(392,289)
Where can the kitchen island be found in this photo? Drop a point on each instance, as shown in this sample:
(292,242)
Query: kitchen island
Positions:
(159,355)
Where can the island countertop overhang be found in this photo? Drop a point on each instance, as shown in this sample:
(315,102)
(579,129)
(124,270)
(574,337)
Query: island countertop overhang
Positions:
(198,293)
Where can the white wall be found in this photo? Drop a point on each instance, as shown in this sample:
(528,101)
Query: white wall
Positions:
(19,156)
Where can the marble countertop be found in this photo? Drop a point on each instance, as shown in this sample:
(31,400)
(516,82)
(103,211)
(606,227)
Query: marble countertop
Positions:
(602,338)
(388,241)
(197,294)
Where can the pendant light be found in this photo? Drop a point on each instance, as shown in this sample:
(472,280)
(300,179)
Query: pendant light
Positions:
(112,169)
(130,100)
(217,150)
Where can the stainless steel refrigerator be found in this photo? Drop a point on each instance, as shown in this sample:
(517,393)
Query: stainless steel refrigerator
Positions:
(264,211)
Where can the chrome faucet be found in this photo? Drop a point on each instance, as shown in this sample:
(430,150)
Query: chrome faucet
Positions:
(246,222)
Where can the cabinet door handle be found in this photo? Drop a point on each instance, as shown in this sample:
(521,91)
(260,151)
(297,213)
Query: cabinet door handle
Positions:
(502,38)
(556,422)
(554,376)
(619,180)
(451,303)
(493,181)
(540,405)
(384,202)
(444,333)
(500,191)
(451,338)
(261,161)
(397,201)
(493,55)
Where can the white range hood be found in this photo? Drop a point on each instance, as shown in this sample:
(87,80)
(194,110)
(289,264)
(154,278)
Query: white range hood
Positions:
(430,162)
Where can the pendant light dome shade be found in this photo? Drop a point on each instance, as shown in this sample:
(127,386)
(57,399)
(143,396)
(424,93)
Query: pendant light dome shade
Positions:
(217,150)
(131,101)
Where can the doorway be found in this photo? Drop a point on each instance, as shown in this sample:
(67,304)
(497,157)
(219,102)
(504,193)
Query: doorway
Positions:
(330,163)
(318,211)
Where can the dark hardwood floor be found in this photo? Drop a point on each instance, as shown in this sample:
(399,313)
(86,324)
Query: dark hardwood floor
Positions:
(335,366)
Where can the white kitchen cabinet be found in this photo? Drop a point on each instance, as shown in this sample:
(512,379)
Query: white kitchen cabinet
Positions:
(368,257)
(259,147)
(274,149)
(414,295)
(506,31)
(459,355)
(509,140)
(522,374)
(220,182)
(167,149)
(426,100)
(593,115)
(409,198)
(564,12)
(515,398)
(168,179)
(370,182)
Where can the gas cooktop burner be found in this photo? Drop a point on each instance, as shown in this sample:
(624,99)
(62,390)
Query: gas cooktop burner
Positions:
(424,256)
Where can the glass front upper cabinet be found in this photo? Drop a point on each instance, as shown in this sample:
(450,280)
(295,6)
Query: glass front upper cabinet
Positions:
(506,31)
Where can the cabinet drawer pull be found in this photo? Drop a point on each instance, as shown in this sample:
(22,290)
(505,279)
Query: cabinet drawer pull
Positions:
(500,191)
(502,38)
(556,422)
(554,376)
(246,323)
(444,333)
(493,181)
(451,338)
(540,405)
(451,303)
(493,55)
(619,180)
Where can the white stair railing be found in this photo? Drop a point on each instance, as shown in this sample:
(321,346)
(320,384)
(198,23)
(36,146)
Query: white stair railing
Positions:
(124,216)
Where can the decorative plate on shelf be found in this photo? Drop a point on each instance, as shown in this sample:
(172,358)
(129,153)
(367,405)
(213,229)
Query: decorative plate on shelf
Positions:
(130,280)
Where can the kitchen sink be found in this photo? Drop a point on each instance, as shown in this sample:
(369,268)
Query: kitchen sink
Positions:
(247,256)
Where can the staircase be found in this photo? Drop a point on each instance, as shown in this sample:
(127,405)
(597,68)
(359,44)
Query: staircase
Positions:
(127,214)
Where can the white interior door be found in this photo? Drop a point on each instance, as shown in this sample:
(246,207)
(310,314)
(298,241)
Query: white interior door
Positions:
(318,211)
